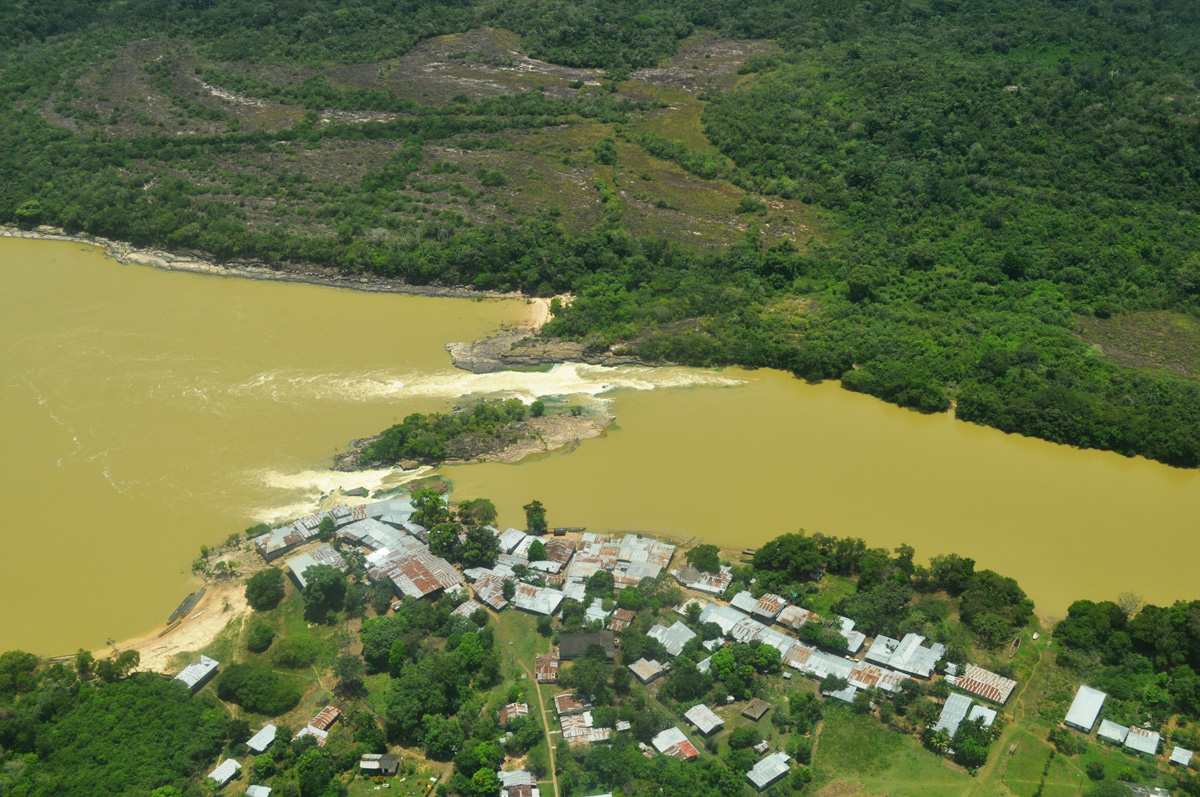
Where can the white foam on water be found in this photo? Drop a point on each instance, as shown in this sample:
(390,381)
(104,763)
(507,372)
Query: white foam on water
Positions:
(564,379)
(307,486)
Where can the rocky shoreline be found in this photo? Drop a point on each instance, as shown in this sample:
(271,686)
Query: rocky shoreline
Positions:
(525,439)
(198,263)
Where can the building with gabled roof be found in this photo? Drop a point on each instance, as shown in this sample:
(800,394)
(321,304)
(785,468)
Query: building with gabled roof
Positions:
(906,655)
(704,719)
(198,673)
(467,608)
(545,667)
(673,638)
(379,764)
(868,676)
(258,791)
(323,555)
(953,713)
(226,771)
(1085,708)
(620,620)
(1181,757)
(537,600)
(517,777)
(635,548)
(981,712)
(580,729)
(569,703)
(1142,741)
(768,771)
(794,616)
(1113,731)
(512,711)
(765,608)
(726,617)
(646,671)
(983,683)
(712,583)
(260,742)
(777,639)
(674,743)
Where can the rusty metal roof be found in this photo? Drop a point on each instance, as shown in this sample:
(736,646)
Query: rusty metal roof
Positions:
(545,667)
(326,718)
(569,704)
(984,683)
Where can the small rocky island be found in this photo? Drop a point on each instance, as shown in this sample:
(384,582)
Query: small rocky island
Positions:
(484,431)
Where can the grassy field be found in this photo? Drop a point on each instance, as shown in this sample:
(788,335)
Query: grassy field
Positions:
(1158,339)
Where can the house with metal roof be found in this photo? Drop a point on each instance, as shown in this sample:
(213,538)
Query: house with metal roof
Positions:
(258,791)
(747,630)
(1142,741)
(768,771)
(596,614)
(777,639)
(226,771)
(646,671)
(845,694)
(673,638)
(569,703)
(871,676)
(712,583)
(467,608)
(794,616)
(981,712)
(817,663)
(906,655)
(574,646)
(983,683)
(1113,731)
(512,711)
(630,574)
(198,673)
(418,574)
(726,617)
(324,555)
(854,639)
(490,592)
(953,713)
(318,734)
(261,741)
(674,743)
(765,608)
(379,764)
(620,620)
(509,539)
(704,719)
(635,548)
(1085,708)
(704,665)
(517,777)
(276,542)
(1181,757)
(545,668)
(537,600)
(580,729)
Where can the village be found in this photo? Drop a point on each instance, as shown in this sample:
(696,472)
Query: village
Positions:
(395,548)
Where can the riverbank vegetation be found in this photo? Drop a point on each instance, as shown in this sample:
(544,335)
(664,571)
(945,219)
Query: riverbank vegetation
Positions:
(919,202)
(431,439)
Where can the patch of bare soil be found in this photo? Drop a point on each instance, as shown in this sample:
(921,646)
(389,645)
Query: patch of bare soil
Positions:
(1157,339)
(704,63)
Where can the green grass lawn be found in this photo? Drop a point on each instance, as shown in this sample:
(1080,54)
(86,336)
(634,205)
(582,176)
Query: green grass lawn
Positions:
(857,750)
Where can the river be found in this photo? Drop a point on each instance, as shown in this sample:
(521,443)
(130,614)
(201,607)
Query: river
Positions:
(148,412)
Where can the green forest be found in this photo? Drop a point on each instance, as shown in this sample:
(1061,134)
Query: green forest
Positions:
(976,180)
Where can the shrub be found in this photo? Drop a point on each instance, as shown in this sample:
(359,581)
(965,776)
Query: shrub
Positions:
(258,688)
(259,637)
(296,651)
(265,589)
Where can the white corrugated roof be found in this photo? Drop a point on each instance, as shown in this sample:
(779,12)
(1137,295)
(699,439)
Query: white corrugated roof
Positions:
(1181,756)
(263,739)
(519,777)
(703,718)
(258,791)
(225,771)
(668,739)
(724,616)
(768,770)
(988,715)
(196,672)
(1113,731)
(953,713)
(673,638)
(1085,708)
(1142,741)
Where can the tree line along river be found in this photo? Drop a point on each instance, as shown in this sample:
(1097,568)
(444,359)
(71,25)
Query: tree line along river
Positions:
(148,412)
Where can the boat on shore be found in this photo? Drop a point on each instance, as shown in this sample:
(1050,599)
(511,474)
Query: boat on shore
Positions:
(186,605)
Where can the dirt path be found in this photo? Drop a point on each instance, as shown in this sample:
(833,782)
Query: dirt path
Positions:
(545,727)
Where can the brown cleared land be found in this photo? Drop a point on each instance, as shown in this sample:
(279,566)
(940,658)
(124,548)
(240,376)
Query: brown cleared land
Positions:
(1158,339)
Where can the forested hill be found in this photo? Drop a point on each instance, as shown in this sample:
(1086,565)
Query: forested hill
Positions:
(986,203)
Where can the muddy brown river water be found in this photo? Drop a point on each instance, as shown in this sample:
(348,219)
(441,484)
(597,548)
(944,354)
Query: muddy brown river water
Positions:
(145,413)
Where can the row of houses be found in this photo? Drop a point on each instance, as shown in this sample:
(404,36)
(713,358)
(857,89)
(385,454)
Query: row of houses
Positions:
(1085,710)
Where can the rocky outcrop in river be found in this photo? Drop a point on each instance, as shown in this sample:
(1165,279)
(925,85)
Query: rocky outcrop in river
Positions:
(522,349)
